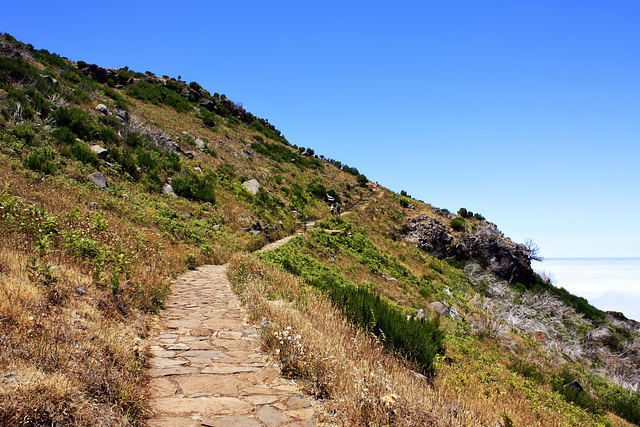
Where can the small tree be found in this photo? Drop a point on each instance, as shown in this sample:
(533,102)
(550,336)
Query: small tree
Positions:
(533,250)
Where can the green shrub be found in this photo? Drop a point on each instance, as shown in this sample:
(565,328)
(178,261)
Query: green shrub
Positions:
(527,370)
(155,94)
(24,132)
(208,118)
(121,101)
(623,402)
(318,190)
(171,162)
(193,187)
(78,121)
(64,135)
(146,160)
(81,151)
(190,260)
(41,161)
(404,203)
(458,224)
(576,396)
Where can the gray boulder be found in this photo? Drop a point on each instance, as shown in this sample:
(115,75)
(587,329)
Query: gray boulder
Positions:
(102,108)
(100,151)
(440,308)
(201,144)
(99,180)
(253,186)
(168,189)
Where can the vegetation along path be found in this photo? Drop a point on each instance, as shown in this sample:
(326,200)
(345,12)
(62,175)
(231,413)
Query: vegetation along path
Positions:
(206,365)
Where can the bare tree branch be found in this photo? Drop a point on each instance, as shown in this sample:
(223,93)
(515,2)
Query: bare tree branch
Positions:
(533,250)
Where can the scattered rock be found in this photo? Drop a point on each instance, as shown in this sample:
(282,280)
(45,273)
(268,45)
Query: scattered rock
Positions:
(50,80)
(420,314)
(188,154)
(102,108)
(99,180)
(101,152)
(440,308)
(123,115)
(201,144)
(389,279)
(209,105)
(253,186)
(168,189)
(93,206)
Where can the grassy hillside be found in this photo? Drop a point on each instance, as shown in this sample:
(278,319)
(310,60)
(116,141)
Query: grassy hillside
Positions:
(84,270)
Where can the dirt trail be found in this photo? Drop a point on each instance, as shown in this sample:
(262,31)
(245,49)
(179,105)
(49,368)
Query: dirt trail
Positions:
(207,368)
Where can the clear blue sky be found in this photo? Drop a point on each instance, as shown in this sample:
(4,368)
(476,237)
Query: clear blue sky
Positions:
(527,112)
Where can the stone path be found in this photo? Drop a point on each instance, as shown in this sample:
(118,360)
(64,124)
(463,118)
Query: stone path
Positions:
(207,368)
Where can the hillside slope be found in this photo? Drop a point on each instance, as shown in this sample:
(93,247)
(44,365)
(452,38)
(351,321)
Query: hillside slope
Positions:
(112,182)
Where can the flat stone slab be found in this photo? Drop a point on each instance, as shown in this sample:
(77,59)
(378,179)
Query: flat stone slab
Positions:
(207,367)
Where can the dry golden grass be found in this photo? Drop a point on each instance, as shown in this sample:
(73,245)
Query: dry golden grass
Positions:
(63,361)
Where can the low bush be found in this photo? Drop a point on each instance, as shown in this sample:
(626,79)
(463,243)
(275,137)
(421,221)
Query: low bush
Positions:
(77,121)
(458,224)
(193,187)
(81,151)
(575,395)
(527,370)
(41,161)
(155,94)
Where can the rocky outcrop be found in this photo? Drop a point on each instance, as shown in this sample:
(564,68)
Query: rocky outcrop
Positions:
(102,75)
(430,235)
(507,260)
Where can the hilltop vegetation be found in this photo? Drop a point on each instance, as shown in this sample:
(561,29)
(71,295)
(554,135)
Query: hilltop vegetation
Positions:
(113,182)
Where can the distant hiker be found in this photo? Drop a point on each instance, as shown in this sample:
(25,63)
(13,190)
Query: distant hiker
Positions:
(376,185)
(338,209)
(332,207)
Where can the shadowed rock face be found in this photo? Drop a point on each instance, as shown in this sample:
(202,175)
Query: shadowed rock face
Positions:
(507,260)
(430,235)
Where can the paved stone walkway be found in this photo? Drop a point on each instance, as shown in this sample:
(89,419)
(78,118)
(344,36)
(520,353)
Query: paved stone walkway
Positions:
(207,368)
